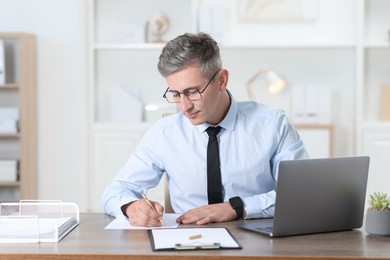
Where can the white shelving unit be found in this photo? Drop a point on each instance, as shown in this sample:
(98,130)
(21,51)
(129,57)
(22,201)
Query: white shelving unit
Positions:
(345,48)
(19,91)
(373,65)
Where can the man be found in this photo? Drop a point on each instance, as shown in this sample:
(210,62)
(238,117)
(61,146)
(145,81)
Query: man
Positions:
(252,140)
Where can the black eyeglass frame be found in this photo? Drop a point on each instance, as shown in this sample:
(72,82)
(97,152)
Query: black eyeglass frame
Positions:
(187,92)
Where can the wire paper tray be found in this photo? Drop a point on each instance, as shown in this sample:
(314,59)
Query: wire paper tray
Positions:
(37,221)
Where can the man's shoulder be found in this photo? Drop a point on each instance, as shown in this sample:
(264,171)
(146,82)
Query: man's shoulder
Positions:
(166,126)
(170,121)
(255,109)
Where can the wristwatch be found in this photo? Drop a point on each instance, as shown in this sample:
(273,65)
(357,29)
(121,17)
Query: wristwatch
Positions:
(238,206)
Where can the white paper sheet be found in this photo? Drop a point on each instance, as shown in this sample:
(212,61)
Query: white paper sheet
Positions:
(168,238)
(168,219)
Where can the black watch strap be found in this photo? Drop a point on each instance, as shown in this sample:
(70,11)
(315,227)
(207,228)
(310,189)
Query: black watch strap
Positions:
(240,213)
(238,206)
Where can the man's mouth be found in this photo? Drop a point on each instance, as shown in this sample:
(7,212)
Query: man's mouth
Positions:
(192,115)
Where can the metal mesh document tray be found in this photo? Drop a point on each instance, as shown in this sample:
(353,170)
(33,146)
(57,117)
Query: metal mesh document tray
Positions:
(37,221)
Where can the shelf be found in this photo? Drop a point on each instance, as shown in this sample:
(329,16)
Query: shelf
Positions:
(140,46)
(20,92)
(7,136)
(114,126)
(155,46)
(9,183)
(289,46)
(376,124)
(315,126)
(9,86)
(380,45)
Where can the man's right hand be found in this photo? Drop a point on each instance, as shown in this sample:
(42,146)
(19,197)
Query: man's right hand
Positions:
(140,213)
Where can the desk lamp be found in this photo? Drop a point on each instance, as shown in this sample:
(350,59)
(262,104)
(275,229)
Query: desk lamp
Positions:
(274,82)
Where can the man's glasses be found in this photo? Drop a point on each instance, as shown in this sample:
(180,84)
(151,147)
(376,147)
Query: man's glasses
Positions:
(192,94)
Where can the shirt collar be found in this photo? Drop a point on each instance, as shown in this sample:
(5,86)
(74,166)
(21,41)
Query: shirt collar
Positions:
(229,120)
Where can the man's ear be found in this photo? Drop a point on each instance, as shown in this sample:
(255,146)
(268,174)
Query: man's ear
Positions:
(223,79)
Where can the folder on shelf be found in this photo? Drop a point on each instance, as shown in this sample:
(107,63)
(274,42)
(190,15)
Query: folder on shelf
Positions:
(192,239)
(37,221)
(2,62)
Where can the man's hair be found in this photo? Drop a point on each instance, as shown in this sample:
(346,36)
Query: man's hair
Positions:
(186,50)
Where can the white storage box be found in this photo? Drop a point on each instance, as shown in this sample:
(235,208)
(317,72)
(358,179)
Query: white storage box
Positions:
(8,127)
(8,170)
(9,117)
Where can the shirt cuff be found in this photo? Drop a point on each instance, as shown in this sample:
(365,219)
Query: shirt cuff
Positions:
(260,206)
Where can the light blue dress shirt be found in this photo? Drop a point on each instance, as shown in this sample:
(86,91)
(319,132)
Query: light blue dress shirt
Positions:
(253,140)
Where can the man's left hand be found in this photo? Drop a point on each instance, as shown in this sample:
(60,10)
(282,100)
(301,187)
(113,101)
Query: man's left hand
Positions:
(219,212)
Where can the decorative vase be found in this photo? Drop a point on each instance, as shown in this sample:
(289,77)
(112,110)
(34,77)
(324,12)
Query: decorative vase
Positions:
(378,222)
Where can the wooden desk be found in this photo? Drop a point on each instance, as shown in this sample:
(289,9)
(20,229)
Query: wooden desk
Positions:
(90,241)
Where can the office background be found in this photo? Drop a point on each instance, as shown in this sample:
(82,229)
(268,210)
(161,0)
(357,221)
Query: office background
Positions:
(341,46)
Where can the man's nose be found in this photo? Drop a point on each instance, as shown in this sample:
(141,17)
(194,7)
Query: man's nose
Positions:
(185,103)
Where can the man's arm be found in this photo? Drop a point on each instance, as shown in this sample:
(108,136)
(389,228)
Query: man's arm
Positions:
(141,172)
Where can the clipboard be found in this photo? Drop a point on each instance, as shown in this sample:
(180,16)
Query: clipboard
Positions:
(192,239)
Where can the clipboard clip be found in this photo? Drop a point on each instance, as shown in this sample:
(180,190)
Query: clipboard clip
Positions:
(194,246)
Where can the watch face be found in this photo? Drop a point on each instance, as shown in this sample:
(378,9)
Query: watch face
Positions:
(236,202)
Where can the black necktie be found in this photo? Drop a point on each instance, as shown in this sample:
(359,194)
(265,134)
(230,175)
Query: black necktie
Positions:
(214,185)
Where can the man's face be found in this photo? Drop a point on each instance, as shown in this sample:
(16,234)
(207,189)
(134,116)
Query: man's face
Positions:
(202,110)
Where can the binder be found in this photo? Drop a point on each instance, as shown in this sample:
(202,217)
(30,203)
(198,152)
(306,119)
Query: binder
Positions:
(192,239)
(30,221)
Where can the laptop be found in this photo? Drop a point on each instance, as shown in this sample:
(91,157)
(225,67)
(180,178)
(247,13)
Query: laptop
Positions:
(315,196)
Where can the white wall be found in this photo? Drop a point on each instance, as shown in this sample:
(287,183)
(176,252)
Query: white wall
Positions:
(61,84)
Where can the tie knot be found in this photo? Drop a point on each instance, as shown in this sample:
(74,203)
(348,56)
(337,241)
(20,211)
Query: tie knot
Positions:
(213,131)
